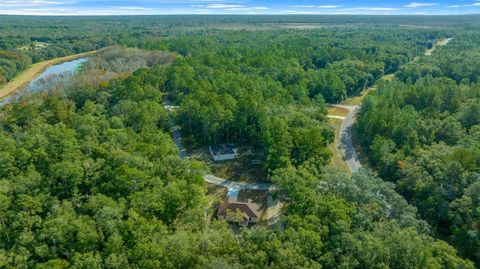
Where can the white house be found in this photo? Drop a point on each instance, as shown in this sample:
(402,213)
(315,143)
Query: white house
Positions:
(223,152)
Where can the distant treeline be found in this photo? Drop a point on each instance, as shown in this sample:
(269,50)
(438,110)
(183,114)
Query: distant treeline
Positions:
(62,36)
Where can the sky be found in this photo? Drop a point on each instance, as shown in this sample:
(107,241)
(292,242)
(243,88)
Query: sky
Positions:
(153,7)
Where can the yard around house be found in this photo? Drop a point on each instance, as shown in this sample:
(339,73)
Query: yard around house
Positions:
(241,169)
(270,205)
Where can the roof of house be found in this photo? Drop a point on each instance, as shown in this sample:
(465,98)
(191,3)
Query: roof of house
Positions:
(250,210)
(223,149)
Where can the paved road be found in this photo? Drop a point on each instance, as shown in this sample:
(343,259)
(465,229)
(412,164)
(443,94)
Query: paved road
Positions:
(346,130)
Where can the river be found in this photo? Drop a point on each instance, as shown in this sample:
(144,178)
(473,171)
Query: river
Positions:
(62,70)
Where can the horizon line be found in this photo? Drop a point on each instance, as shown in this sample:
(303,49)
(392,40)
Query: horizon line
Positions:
(239,14)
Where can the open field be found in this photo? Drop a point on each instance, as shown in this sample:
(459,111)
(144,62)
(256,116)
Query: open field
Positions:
(33,71)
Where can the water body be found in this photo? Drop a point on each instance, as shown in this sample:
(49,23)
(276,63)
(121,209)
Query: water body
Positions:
(65,70)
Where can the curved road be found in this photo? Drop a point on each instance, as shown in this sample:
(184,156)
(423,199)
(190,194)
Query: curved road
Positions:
(346,143)
(346,129)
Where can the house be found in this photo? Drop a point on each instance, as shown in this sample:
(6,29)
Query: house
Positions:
(234,211)
(223,152)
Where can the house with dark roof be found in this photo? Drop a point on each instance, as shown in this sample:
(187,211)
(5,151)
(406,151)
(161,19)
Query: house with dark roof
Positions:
(232,210)
(223,152)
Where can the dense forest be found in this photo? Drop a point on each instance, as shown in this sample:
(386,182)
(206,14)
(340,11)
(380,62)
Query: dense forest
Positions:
(51,37)
(92,181)
(267,89)
(91,178)
(422,132)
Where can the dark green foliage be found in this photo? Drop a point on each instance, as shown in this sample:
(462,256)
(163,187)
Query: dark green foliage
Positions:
(90,177)
(85,186)
(422,133)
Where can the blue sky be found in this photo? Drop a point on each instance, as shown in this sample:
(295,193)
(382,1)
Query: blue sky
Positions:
(148,7)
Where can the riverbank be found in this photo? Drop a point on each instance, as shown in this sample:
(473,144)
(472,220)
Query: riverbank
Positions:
(27,76)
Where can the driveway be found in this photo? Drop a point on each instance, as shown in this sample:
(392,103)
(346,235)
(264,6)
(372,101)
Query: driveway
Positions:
(234,187)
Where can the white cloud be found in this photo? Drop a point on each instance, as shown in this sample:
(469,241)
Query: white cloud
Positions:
(370,9)
(332,6)
(121,7)
(312,6)
(132,8)
(302,6)
(223,6)
(232,7)
(418,4)
(24,3)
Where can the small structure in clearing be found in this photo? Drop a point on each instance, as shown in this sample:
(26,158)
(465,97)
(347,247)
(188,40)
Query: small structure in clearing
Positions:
(240,212)
(223,152)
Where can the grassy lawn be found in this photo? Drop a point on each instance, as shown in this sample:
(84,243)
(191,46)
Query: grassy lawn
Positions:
(337,160)
(241,169)
(338,111)
(33,71)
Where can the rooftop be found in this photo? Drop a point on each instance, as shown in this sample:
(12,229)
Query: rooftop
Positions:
(250,210)
(223,149)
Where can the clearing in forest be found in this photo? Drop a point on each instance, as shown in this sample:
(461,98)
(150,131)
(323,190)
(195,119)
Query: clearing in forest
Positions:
(441,42)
